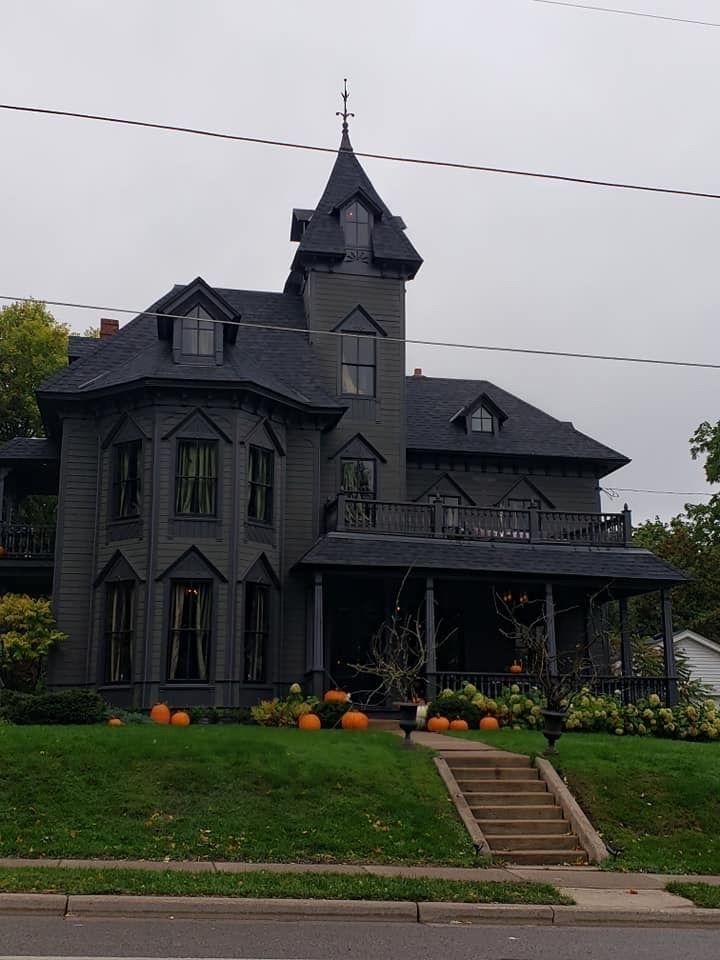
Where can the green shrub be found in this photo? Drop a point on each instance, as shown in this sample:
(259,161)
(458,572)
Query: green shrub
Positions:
(27,633)
(331,713)
(61,707)
(280,713)
(455,706)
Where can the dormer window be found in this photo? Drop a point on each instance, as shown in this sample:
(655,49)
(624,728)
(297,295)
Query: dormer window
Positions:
(482,421)
(356,223)
(198,334)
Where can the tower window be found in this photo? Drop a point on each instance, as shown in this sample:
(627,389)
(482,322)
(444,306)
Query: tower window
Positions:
(198,334)
(356,226)
(482,421)
(358,365)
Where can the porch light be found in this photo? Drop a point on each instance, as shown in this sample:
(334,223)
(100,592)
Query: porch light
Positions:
(509,598)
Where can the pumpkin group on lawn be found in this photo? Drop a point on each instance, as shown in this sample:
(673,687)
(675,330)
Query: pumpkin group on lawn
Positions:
(309,721)
(459,725)
(180,719)
(489,723)
(115,722)
(354,720)
(335,696)
(438,724)
(160,713)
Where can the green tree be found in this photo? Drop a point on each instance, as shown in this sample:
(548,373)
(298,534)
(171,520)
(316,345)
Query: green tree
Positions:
(33,345)
(93,332)
(27,634)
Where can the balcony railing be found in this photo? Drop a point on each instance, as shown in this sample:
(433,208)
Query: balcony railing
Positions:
(22,541)
(436,519)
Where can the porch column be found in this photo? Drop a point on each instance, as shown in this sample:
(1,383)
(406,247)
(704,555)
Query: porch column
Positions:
(668,647)
(431,651)
(550,628)
(625,646)
(4,471)
(317,665)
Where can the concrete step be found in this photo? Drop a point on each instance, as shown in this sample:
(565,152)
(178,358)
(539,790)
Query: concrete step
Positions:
(494,773)
(476,798)
(523,827)
(551,841)
(489,759)
(485,812)
(476,785)
(544,858)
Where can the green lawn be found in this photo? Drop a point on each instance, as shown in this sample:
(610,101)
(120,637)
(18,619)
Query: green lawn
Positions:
(224,793)
(327,886)
(701,894)
(657,801)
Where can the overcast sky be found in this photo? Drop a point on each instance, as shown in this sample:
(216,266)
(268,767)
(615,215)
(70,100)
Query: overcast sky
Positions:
(112,215)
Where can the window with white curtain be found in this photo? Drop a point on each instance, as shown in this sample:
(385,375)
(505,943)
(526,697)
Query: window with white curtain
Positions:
(190,631)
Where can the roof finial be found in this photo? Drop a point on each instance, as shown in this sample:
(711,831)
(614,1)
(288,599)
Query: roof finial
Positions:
(344,112)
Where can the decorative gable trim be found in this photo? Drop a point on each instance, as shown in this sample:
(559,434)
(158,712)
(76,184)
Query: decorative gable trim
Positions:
(466,412)
(261,571)
(125,429)
(364,197)
(359,321)
(266,426)
(446,478)
(207,429)
(526,481)
(358,446)
(192,564)
(118,567)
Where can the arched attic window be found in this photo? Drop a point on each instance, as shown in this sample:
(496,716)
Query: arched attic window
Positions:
(356,223)
(482,421)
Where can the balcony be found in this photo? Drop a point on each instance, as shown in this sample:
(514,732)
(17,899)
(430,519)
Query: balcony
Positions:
(22,541)
(388,518)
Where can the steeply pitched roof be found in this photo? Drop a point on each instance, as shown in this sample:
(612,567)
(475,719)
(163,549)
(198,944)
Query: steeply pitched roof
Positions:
(432,402)
(278,362)
(323,235)
(603,563)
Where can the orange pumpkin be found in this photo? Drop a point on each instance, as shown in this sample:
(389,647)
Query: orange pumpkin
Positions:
(354,720)
(489,723)
(3,551)
(309,721)
(180,719)
(516,667)
(336,696)
(160,713)
(438,724)
(459,725)
(115,722)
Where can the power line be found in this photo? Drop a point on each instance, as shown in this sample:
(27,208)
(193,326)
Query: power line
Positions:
(454,165)
(626,13)
(613,492)
(488,348)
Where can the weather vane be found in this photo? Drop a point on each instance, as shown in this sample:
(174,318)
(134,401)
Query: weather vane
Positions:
(344,112)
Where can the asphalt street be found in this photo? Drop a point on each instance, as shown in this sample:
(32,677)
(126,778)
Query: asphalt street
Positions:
(30,937)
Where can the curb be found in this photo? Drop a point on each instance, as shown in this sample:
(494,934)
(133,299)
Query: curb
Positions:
(49,904)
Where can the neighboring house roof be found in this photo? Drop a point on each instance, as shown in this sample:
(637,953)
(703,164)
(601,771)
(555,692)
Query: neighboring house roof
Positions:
(28,448)
(279,362)
(682,635)
(597,563)
(432,402)
(323,235)
(702,656)
(80,346)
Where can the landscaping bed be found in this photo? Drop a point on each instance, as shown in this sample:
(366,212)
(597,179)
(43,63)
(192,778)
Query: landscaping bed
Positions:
(325,886)
(654,801)
(223,793)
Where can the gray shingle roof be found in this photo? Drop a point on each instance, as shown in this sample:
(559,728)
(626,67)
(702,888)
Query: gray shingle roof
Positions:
(324,236)
(597,563)
(279,362)
(28,448)
(80,346)
(432,402)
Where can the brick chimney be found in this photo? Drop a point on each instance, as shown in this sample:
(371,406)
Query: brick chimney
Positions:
(108,327)
(417,372)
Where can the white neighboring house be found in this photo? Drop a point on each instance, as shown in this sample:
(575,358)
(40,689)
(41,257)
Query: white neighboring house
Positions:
(703,658)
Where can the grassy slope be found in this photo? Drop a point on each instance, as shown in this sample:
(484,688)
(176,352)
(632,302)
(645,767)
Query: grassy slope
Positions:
(262,884)
(235,793)
(656,800)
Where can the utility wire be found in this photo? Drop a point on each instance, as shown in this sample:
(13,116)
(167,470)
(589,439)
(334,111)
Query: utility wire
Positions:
(626,13)
(339,333)
(374,156)
(613,492)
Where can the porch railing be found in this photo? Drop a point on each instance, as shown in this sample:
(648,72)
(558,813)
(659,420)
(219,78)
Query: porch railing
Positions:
(22,541)
(626,689)
(436,519)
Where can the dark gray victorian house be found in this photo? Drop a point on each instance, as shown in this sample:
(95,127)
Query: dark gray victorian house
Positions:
(244,478)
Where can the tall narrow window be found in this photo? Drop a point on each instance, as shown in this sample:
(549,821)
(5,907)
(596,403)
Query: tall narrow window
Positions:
(482,421)
(126,479)
(257,631)
(261,470)
(356,226)
(358,478)
(196,478)
(190,630)
(119,631)
(198,334)
(358,365)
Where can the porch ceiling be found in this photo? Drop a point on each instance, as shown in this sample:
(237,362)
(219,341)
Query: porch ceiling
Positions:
(639,569)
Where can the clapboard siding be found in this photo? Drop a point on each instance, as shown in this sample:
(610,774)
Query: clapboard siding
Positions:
(704,663)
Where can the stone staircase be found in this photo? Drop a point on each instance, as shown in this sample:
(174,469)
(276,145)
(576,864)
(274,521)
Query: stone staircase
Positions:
(512,806)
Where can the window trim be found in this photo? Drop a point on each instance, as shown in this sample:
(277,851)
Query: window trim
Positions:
(268,487)
(209,651)
(109,634)
(116,483)
(357,337)
(193,515)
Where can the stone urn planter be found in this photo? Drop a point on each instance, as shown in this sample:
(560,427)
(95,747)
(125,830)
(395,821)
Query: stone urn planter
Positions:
(553,728)
(408,719)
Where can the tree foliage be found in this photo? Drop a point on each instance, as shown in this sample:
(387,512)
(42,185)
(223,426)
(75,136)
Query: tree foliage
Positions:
(27,634)
(33,345)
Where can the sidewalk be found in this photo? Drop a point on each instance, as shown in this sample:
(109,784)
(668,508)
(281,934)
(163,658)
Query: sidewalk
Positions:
(601,897)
